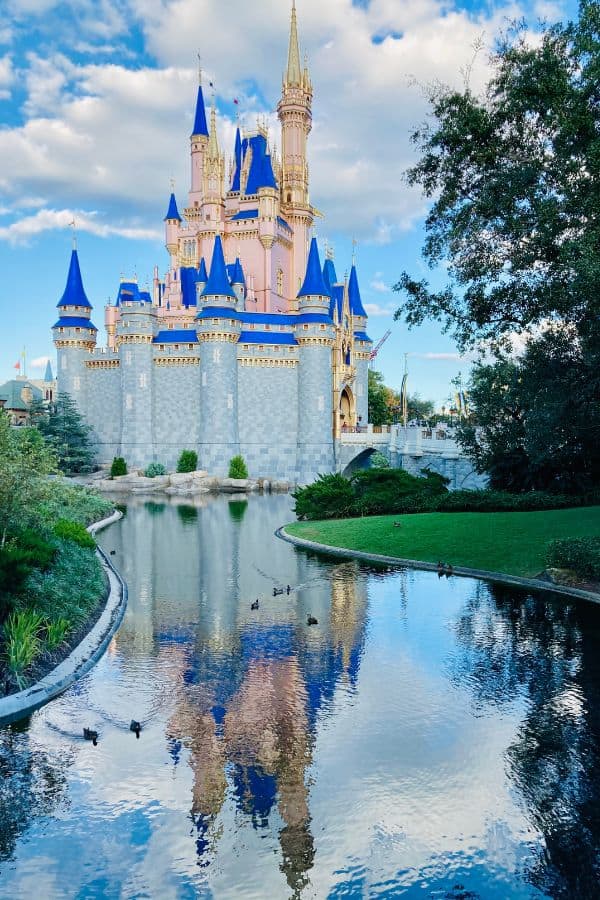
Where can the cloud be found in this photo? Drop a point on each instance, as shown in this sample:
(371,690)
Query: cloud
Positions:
(379,285)
(455,357)
(7,76)
(21,231)
(375,309)
(108,137)
(40,362)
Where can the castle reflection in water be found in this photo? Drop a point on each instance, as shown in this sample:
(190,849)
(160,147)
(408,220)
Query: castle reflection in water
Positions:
(246,686)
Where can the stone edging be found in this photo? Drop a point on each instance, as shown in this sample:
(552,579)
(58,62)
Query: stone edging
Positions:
(84,656)
(515,580)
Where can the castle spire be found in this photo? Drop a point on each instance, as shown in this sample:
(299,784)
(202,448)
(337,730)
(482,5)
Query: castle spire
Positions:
(314,283)
(218,283)
(74,293)
(294,72)
(200,117)
(213,143)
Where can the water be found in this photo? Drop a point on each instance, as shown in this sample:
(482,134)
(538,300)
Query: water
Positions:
(429,738)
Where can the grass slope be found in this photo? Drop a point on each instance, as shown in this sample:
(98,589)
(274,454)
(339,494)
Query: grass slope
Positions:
(514,543)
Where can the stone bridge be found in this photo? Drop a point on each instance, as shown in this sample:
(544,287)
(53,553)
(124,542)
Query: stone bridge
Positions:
(412,448)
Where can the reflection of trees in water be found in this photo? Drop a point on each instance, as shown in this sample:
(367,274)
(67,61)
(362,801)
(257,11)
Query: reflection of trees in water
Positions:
(516,647)
(32,783)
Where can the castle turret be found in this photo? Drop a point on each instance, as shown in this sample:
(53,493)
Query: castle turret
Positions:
(201,282)
(137,326)
(74,335)
(295,114)
(315,336)
(238,282)
(172,223)
(214,175)
(362,347)
(198,148)
(218,327)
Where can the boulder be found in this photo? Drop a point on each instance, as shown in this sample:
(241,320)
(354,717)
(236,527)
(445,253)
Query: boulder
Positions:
(233,485)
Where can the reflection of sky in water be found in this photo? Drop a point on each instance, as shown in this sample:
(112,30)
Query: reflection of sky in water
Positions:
(430,738)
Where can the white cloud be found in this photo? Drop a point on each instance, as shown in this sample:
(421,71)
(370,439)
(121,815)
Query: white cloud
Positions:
(109,137)
(7,76)
(454,357)
(21,231)
(379,285)
(375,309)
(40,362)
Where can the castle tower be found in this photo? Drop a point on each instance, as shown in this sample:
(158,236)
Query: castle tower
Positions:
(214,175)
(198,150)
(362,347)
(295,114)
(136,329)
(74,336)
(172,223)
(218,327)
(315,336)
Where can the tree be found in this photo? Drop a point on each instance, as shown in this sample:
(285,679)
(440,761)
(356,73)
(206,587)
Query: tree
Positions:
(417,408)
(65,430)
(515,175)
(25,461)
(379,410)
(538,417)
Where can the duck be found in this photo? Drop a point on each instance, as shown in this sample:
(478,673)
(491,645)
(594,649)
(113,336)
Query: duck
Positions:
(397,524)
(310,620)
(277,592)
(135,727)
(288,589)
(254,605)
(90,735)
(449,570)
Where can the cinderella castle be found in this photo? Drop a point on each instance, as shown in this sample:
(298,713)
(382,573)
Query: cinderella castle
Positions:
(248,344)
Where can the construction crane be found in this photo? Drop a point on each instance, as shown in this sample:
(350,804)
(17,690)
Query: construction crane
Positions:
(377,348)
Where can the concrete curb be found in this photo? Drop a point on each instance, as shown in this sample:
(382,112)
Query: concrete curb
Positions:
(532,583)
(84,656)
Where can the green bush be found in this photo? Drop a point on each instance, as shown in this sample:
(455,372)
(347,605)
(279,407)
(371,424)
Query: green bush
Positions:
(379,461)
(72,588)
(188,461)
(25,552)
(56,633)
(73,531)
(582,555)
(21,642)
(238,468)
(155,469)
(329,497)
(118,467)
(70,501)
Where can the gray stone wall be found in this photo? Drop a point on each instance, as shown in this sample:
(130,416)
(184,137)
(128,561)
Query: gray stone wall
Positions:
(459,469)
(176,409)
(268,420)
(72,375)
(103,412)
(315,414)
(219,439)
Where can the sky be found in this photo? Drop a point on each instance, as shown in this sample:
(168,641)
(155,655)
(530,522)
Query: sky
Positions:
(96,107)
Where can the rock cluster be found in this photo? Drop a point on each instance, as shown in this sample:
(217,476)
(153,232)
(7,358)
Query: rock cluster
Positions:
(187,484)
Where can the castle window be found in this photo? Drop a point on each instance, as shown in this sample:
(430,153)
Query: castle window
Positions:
(280,282)
(215,321)
(143,380)
(190,346)
(267,327)
(261,348)
(77,383)
(305,327)
(322,327)
(177,346)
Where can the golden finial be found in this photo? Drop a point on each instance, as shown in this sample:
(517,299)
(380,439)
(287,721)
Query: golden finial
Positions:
(354,246)
(73,225)
(199,69)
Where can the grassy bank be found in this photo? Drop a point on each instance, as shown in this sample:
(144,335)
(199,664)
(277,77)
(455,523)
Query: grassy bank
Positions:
(514,542)
(52,584)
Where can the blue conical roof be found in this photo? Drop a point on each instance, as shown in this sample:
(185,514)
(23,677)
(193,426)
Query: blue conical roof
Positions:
(48,376)
(261,168)
(218,282)
(202,273)
(356,307)
(200,126)
(237,155)
(329,274)
(237,275)
(172,212)
(314,283)
(74,294)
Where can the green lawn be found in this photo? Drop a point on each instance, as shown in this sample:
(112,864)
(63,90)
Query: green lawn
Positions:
(513,543)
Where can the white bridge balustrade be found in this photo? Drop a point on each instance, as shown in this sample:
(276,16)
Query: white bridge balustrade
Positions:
(413,448)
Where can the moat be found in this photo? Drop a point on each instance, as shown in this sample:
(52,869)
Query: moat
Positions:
(428,738)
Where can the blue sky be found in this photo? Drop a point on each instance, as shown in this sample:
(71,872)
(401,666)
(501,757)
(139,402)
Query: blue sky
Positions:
(96,103)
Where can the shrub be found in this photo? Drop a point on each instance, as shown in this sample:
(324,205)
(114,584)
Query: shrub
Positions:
(118,467)
(188,461)
(73,531)
(582,555)
(21,642)
(238,468)
(155,469)
(379,461)
(72,588)
(70,501)
(329,497)
(56,632)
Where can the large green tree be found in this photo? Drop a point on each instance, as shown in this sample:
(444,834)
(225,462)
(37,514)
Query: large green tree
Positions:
(515,179)
(536,419)
(65,430)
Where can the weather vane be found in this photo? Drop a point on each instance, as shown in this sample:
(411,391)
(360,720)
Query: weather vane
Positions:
(73,225)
